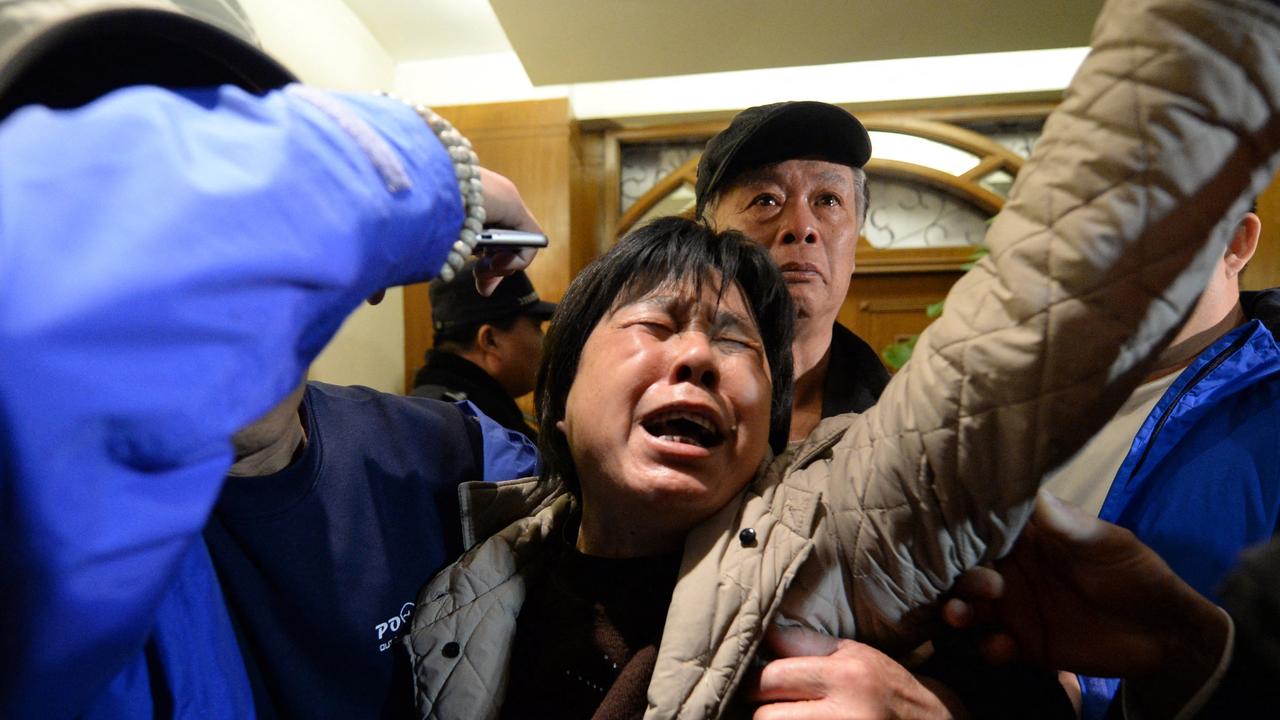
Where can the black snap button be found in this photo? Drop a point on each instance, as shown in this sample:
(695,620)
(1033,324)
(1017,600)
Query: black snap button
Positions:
(747,537)
(451,649)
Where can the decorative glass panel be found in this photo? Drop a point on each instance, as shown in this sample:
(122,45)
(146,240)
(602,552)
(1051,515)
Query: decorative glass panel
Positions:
(911,215)
(1018,135)
(675,202)
(644,164)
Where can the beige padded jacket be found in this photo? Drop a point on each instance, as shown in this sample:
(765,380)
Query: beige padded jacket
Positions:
(1098,254)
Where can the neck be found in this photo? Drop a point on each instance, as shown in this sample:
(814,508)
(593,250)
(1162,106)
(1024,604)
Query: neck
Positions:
(622,535)
(811,353)
(1192,341)
(274,456)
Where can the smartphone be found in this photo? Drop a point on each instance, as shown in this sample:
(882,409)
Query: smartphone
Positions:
(495,238)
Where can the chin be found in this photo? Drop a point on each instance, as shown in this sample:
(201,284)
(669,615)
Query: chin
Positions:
(690,491)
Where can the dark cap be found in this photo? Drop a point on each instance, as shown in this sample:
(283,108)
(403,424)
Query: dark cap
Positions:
(67,53)
(457,302)
(767,134)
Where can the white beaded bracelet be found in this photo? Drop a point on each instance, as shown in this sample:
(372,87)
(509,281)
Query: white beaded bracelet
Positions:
(466,167)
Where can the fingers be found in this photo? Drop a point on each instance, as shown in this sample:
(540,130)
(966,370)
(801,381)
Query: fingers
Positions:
(790,641)
(856,681)
(504,208)
(998,648)
(503,205)
(801,710)
(980,583)
(958,614)
(1062,520)
(799,672)
(497,264)
(788,679)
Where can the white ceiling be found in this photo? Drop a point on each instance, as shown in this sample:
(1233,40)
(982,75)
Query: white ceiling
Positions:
(432,29)
(577,41)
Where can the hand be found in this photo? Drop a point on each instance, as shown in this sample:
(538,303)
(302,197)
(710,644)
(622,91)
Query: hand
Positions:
(1080,594)
(818,676)
(503,208)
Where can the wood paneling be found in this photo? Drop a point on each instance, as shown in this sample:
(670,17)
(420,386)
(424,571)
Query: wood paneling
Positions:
(1264,270)
(587,199)
(885,308)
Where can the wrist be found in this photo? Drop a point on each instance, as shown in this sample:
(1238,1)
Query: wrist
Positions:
(1193,653)
(466,168)
(944,703)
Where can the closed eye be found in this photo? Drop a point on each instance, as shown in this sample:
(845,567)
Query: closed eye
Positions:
(735,343)
(660,328)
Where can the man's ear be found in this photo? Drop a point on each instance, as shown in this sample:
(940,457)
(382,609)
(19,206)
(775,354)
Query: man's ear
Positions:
(486,338)
(1243,245)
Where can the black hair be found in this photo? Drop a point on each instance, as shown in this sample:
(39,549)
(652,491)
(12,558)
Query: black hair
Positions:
(463,337)
(670,249)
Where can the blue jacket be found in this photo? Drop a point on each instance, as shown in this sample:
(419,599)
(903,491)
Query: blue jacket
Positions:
(170,264)
(1201,481)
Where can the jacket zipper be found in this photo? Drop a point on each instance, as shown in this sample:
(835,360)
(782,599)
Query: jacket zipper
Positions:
(1204,372)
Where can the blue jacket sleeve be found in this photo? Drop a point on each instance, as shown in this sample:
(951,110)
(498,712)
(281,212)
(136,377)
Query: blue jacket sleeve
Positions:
(170,263)
(508,455)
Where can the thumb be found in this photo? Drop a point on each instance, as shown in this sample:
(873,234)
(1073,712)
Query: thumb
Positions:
(794,641)
(486,285)
(1063,521)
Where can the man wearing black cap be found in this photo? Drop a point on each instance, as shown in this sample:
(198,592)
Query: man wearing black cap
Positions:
(789,176)
(486,349)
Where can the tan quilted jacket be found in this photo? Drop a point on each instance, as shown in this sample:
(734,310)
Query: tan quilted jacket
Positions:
(1098,254)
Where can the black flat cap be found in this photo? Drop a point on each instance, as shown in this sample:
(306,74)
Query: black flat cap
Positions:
(457,302)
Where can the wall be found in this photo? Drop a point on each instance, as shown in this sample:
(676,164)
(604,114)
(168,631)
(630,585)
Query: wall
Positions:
(326,45)
(1264,270)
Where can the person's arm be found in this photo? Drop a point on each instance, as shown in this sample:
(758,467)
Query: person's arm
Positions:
(170,263)
(1105,243)
(1080,594)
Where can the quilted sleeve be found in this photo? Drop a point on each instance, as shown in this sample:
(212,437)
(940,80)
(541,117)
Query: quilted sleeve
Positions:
(1106,242)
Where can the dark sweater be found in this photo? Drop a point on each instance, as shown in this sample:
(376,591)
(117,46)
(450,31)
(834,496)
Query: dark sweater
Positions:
(587,637)
(855,375)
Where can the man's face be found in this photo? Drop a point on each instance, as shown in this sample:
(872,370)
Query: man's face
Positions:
(668,414)
(521,349)
(806,213)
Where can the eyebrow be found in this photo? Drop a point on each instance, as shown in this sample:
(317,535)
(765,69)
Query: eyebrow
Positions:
(724,318)
(834,178)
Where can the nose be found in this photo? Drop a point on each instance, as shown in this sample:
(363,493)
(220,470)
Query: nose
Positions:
(695,361)
(798,225)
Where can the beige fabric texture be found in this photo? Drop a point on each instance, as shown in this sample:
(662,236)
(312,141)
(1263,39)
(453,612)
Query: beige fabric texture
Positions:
(22,19)
(1107,240)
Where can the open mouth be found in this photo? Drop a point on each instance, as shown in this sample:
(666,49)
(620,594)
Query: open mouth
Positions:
(684,426)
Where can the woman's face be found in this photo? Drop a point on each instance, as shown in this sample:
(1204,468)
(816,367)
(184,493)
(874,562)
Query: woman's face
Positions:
(668,416)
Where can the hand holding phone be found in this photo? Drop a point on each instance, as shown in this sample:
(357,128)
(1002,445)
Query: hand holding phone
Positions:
(498,239)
